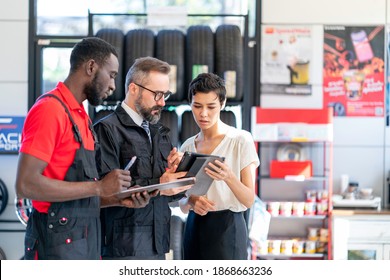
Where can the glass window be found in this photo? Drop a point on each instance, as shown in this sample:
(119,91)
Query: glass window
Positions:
(55,66)
(70,18)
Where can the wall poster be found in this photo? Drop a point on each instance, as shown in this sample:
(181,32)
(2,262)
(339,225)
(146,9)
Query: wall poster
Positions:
(10,133)
(286,53)
(353,70)
(387,93)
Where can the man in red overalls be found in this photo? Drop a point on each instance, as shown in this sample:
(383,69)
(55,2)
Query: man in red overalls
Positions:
(57,167)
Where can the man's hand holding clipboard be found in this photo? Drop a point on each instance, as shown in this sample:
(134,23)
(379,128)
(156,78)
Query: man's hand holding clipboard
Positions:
(134,200)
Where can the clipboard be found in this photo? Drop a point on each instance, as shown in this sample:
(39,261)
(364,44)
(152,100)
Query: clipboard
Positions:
(194,164)
(150,188)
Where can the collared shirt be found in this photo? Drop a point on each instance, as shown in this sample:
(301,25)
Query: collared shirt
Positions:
(133,114)
(48,135)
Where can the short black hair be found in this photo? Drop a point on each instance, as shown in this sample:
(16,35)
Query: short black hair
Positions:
(205,83)
(91,48)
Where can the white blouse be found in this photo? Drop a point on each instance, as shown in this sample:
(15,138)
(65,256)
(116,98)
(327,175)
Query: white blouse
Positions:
(239,151)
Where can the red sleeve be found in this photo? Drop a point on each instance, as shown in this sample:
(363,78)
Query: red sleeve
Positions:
(43,129)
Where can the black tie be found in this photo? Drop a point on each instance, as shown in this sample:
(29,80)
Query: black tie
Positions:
(145,126)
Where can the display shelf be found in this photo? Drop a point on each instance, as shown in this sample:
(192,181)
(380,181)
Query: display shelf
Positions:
(296,153)
(308,217)
(292,256)
(310,179)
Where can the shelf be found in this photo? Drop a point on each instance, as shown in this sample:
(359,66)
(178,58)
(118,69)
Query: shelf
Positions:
(311,179)
(375,203)
(296,141)
(295,169)
(311,217)
(283,256)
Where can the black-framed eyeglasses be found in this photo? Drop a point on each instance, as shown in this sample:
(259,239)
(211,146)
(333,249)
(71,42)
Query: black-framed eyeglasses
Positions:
(157,94)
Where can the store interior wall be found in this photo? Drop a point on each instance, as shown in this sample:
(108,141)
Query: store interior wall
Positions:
(361,144)
(14,102)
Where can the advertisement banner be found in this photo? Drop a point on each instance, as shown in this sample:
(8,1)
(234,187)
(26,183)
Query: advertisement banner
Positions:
(286,56)
(10,134)
(353,70)
(387,93)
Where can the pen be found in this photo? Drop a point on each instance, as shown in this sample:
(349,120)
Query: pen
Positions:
(131,162)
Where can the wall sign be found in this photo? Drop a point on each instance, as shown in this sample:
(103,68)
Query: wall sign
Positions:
(286,59)
(10,134)
(353,71)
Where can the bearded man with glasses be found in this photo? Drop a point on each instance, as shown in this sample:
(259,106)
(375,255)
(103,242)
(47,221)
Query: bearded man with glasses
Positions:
(133,130)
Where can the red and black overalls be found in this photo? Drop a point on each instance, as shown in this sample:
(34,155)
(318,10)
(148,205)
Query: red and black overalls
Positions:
(70,230)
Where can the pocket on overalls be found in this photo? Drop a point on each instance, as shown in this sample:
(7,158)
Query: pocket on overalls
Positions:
(30,247)
(70,250)
(68,240)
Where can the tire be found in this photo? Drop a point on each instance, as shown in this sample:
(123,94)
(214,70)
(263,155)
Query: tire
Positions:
(229,118)
(188,126)
(138,43)
(229,59)
(199,52)
(116,38)
(170,45)
(3,196)
(171,120)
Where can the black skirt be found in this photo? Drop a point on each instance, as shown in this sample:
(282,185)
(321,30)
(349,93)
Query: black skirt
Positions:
(219,235)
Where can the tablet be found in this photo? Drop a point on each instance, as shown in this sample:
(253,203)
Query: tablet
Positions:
(189,158)
(194,164)
(150,188)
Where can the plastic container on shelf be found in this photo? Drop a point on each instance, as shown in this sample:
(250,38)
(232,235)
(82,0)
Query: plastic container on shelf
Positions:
(262,247)
(285,208)
(311,196)
(274,208)
(298,208)
(286,247)
(324,234)
(298,246)
(313,233)
(322,195)
(321,247)
(310,247)
(322,207)
(274,246)
(310,208)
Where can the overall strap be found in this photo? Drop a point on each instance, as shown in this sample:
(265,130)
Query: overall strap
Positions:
(76,131)
(94,135)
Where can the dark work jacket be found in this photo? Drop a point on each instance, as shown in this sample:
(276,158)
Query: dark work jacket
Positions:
(126,231)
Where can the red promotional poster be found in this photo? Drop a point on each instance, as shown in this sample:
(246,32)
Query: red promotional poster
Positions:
(353,70)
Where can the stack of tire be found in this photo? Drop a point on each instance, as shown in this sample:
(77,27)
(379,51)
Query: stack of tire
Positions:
(198,51)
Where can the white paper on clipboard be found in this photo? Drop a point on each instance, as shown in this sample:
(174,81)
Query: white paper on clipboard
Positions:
(150,188)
